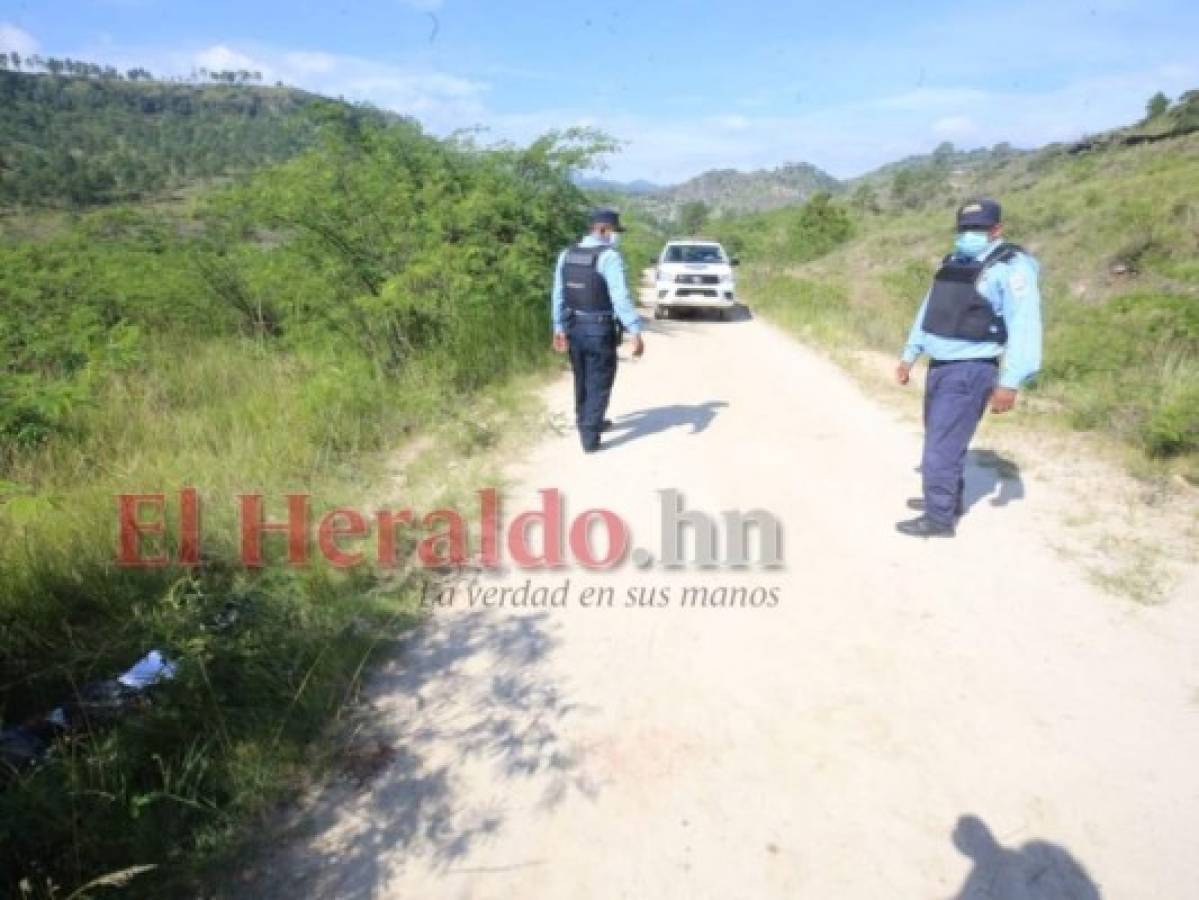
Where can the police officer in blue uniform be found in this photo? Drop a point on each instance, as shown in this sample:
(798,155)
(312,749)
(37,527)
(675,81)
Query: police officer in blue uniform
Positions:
(980,325)
(590,300)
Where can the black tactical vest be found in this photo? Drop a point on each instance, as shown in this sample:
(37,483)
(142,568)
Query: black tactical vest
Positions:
(583,287)
(957,309)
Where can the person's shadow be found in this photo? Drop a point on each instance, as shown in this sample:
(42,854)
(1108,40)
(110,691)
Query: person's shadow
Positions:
(645,422)
(990,475)
(1037,870)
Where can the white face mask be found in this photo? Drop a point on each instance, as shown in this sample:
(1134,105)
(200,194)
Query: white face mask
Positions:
(614,238)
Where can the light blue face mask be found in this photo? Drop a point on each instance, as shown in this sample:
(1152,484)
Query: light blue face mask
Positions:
(614,238)
(971,243)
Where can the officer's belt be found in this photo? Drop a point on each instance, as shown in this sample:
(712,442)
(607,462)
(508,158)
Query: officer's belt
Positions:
(937,363)
(598,316)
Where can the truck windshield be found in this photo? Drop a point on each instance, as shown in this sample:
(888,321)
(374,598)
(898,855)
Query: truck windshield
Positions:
(694,253)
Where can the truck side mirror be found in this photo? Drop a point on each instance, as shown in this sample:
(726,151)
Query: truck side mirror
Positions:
(735,261)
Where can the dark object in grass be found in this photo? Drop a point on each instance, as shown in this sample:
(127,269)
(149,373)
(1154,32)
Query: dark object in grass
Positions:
(95,705)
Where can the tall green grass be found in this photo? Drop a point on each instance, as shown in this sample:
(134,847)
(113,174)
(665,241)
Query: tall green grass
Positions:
(176,780)
(279,340)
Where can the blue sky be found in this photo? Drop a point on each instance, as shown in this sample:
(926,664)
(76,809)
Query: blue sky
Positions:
(846,85)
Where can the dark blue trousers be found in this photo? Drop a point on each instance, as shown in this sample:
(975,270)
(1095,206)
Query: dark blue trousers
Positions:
(593,360)
(955,398)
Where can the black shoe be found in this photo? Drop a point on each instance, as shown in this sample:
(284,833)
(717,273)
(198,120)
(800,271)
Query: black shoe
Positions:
(917,503)
(924,527)
(606,425)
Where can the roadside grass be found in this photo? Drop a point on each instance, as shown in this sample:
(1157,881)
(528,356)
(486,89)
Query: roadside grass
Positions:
(1132,568)
(267,658)
(281,335)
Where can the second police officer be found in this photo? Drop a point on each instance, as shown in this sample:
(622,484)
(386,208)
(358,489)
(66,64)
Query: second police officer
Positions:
(590,299)
(980,325)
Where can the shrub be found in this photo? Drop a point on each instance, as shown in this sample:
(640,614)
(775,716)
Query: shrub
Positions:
(820,226)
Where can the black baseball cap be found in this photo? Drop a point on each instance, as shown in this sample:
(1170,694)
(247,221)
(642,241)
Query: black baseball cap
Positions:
(977,215)
(608,217)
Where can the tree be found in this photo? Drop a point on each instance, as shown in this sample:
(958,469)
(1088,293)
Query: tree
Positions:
(1157,105)
(865,199)
(693,216)
(914,186)
(820,226)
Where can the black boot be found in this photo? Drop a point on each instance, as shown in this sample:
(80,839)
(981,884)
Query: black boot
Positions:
(924,527)
(917,503)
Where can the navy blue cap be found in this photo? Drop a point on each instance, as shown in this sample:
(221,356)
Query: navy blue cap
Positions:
(979,214)
(606,217)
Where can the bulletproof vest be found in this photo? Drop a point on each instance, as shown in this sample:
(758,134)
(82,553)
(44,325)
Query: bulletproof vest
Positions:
(956,307)
(583,287)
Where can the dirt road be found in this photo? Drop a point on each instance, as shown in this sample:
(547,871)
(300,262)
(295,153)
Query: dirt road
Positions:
(967,718)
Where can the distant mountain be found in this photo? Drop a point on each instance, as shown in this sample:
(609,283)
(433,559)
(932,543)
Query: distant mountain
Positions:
(944,176)
(731,192)
(947,175)
(951,166)
(634,188)
(946,156)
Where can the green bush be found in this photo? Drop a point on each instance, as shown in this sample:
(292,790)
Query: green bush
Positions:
(1125,332)
(320,310)
(1173,426)
(820,226)
(1128,366)
(790,235)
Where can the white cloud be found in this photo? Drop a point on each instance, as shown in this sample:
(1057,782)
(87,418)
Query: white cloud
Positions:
(14,38)
(435,96)
(852,138)
(956,127)
(220,58)
(316,63)
(443,101)
(680,139)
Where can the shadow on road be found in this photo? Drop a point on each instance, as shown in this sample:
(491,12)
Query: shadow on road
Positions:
(739,313)
(990,475)
(1037,870)
(465,688)
(646,422)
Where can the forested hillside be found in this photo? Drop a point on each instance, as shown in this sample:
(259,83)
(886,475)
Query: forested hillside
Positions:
(78,140)
(729,192)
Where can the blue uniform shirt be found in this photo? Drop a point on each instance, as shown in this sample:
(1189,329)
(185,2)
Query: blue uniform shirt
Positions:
(1012,289)
(611,267)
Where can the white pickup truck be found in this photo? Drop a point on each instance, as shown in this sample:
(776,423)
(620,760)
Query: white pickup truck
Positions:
(694,274)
